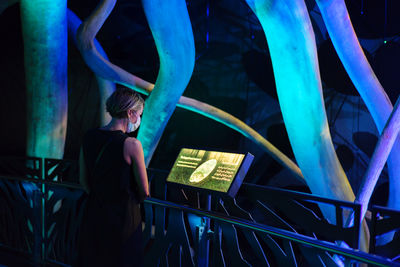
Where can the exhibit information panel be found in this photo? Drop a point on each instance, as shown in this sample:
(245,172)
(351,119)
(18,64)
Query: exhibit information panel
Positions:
(211,170)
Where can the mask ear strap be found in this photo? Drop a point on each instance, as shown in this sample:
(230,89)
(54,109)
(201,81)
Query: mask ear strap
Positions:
(128,117)
(136,115)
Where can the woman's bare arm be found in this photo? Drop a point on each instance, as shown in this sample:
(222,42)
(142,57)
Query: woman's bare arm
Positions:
(135,152)
(82,172)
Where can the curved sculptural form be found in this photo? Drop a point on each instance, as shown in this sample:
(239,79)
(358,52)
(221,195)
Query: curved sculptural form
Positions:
(292,47)
(378,159)
(293,52)
(184,102)
(172,31)
(44,30)
(106,87)
(85,39)
(340,28)
(241,127)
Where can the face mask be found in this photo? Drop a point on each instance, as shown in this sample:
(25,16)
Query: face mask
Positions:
(133,126)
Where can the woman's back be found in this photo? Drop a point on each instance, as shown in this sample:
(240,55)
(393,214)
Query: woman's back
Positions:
(112,218)
(108,173)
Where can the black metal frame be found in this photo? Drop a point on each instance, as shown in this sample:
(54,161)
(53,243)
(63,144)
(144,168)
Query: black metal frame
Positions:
(384,221)
(336,230)
(348,253)
(61,170)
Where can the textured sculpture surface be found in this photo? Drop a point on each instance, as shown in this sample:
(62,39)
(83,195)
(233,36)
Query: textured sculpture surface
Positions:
(105,69)
(344,38)
(44,30)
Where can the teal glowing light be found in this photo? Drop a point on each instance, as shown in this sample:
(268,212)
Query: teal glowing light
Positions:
(107,70)
(44,29)
(348,48)
(172,31)
(291,43)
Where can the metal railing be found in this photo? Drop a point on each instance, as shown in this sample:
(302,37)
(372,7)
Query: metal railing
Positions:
(322,246)
(41,217)
(385,221)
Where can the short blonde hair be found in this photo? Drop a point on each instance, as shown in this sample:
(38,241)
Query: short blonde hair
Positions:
(122,100)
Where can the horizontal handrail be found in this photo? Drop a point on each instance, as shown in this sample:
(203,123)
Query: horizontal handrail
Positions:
(305,240)
(40,181)
(385,210)
(300,195)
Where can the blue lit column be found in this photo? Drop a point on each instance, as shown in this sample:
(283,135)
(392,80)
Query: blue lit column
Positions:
(172,31)
(106,87)
(293,52)
(343,36)
(44,28)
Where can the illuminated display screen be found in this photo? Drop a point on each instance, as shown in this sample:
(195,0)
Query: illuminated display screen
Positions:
(211,170)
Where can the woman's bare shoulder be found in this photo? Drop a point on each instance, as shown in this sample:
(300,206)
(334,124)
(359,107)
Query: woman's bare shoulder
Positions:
(133,145)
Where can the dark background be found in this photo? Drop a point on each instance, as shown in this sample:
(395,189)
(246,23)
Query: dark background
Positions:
(233,72)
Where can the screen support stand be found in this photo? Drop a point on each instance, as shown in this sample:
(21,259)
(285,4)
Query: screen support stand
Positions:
(202,235)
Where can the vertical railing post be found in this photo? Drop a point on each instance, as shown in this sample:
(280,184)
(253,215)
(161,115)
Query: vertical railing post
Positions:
(43,210)
(202,238)
(34,170)
(357,227)
(372,239)
(37,227)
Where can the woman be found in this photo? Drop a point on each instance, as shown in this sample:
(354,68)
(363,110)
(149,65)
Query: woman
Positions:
(113,173)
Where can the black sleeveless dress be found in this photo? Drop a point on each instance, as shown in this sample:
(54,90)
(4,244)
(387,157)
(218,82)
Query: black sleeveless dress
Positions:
(111,233)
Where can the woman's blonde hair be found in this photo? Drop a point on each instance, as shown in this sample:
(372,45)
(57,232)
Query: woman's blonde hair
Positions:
(122,100)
